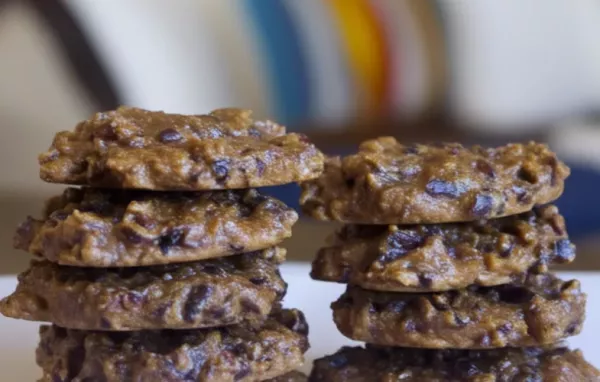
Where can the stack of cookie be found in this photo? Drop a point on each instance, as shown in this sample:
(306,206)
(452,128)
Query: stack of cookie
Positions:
(446,251)
(165,234)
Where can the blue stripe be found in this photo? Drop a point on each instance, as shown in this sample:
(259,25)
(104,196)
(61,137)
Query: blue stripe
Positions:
(286,62)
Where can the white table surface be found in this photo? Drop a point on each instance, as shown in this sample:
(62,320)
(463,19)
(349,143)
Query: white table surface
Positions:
(18,339)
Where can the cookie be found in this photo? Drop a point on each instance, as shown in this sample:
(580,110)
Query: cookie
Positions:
(442,257)
(118,228)
(387,182)
(540,311)
(236,353)
(373,364)
(191,295)
(135,148)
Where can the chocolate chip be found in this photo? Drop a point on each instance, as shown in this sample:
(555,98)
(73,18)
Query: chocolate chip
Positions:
(169,135)
(425,281)
(451,251)
(220,168)
(410,326)
(172,238)
(400,243)
(261,280)
(572,328)
(350,182)
(107,133)
(521,194)
(485,167)
(505,328)
(131,236)
(564,250)
(438,187)
(294,320)
(260,167)
(195,301)
(250,306)
(527,175)
(134,298)
(482,206)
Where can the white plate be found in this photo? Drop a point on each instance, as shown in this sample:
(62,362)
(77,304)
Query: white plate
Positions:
(18,339)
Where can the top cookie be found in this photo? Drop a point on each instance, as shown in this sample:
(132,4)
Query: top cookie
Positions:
(387,182)
(136,148)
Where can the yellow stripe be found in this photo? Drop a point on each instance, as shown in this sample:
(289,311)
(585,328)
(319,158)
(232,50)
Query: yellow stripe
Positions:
(365,47)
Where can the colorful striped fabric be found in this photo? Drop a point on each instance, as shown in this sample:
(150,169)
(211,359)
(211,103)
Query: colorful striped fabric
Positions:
(335,59)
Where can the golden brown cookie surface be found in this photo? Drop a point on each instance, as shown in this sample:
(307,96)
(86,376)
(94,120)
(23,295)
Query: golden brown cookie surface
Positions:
(540,311)
(236,353)
(387,182)
(141,149)
(121,228)
(440,257)
(208,293)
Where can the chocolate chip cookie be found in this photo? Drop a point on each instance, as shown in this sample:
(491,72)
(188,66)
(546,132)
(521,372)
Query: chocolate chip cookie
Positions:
(442,257)
(135,148)
(121,228)
(540,311)
(255,352)
(373,364)
(200,294)
(387,182)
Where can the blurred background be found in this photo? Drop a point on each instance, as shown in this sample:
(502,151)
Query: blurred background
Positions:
(341,71)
